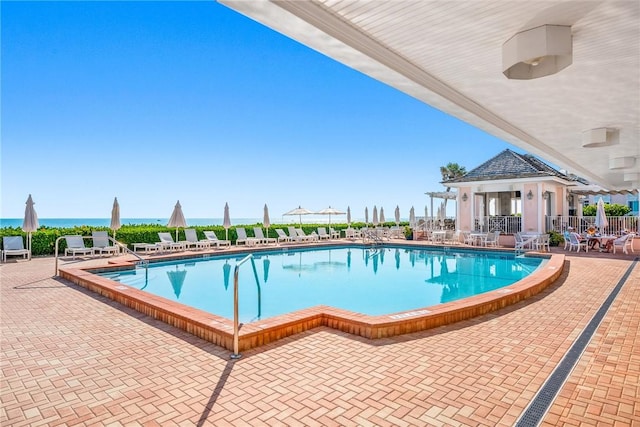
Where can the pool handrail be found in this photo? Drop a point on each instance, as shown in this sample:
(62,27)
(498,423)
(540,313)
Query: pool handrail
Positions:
(236,323)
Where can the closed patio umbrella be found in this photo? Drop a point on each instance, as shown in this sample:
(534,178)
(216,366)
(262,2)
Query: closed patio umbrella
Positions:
(177,219)
(266,222)
(382,218)
(177,280)
(366,217)
(30,222)
(299,211)
(397,215)
(348,216)
(115,217)
(374,221)
(226,221)
(601,217)
(412,217)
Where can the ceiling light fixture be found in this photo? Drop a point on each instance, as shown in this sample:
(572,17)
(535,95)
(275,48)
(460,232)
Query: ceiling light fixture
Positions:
(537,52)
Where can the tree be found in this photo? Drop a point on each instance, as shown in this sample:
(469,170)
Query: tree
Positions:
(451,171)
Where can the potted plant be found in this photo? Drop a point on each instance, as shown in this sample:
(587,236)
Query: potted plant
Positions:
(408,233)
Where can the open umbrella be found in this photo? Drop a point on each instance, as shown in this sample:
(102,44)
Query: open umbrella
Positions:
(348,216)
(226,221)
(366,217)
(397,215)
(382,218)
(374,221)
(412,217)
(330,211)
(115,217)
(266,222)
(30,222)
(601,217)
(299,211)
(177,219)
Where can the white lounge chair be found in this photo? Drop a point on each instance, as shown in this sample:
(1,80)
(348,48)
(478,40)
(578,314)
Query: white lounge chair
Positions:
(101,244)
(322,233)
(313,237)
(167,242)
(14,245)
(212,238)
(257,231)
(243,238)
(192,239)
(625,242)
(335,234)
(75,246)
(282,236)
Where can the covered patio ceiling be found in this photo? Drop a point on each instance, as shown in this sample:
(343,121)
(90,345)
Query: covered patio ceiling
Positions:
(448,54)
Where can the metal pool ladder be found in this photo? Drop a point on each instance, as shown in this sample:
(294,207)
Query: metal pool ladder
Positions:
(236,322)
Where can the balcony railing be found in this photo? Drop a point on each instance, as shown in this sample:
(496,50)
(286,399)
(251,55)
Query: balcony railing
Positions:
(617,224)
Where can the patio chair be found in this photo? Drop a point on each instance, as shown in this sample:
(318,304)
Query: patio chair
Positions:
(167,242)
(625,242)
(322,233)
(101,244)
(257,231)
(294,236)
(282,236)
(192,240)
(212,238)
(543,243)
(576,242)
(566,239)
(335,234)
(14,245)
(75,246)
(243,238)
(493,239)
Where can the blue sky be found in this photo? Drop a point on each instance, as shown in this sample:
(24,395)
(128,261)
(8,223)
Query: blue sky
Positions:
(154,102)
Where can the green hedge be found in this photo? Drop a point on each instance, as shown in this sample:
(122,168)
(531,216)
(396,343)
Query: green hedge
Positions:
(43,240)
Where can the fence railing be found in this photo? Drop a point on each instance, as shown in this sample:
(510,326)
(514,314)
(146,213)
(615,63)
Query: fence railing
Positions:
(617,224)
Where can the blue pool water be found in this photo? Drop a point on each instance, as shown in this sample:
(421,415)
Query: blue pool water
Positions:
(369,281)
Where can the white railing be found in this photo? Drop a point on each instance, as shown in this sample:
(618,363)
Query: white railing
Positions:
(617,224)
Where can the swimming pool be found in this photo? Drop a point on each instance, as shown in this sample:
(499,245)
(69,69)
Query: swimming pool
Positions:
(370,281)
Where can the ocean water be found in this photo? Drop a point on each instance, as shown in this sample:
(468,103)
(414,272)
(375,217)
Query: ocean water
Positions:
(104,222)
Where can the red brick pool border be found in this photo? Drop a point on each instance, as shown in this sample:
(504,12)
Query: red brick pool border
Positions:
(219,330)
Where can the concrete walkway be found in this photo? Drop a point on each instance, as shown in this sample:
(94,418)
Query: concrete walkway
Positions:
(70,357)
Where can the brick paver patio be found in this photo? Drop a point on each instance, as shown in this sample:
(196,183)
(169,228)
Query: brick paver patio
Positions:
(70,357)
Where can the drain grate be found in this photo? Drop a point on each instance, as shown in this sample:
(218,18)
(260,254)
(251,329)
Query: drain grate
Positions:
(532,416)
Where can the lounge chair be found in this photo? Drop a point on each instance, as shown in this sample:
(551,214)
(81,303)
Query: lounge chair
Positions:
(313,237)
(243,238)
(213,239)
(576,242)
(101,244)
(257,231)
(192,239)
(14,245)
(167,242)
(625,242)
(282,236)
(75,246)
(293,235)
(322,233)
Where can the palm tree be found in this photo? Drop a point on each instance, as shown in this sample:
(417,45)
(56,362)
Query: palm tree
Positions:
(451,171)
